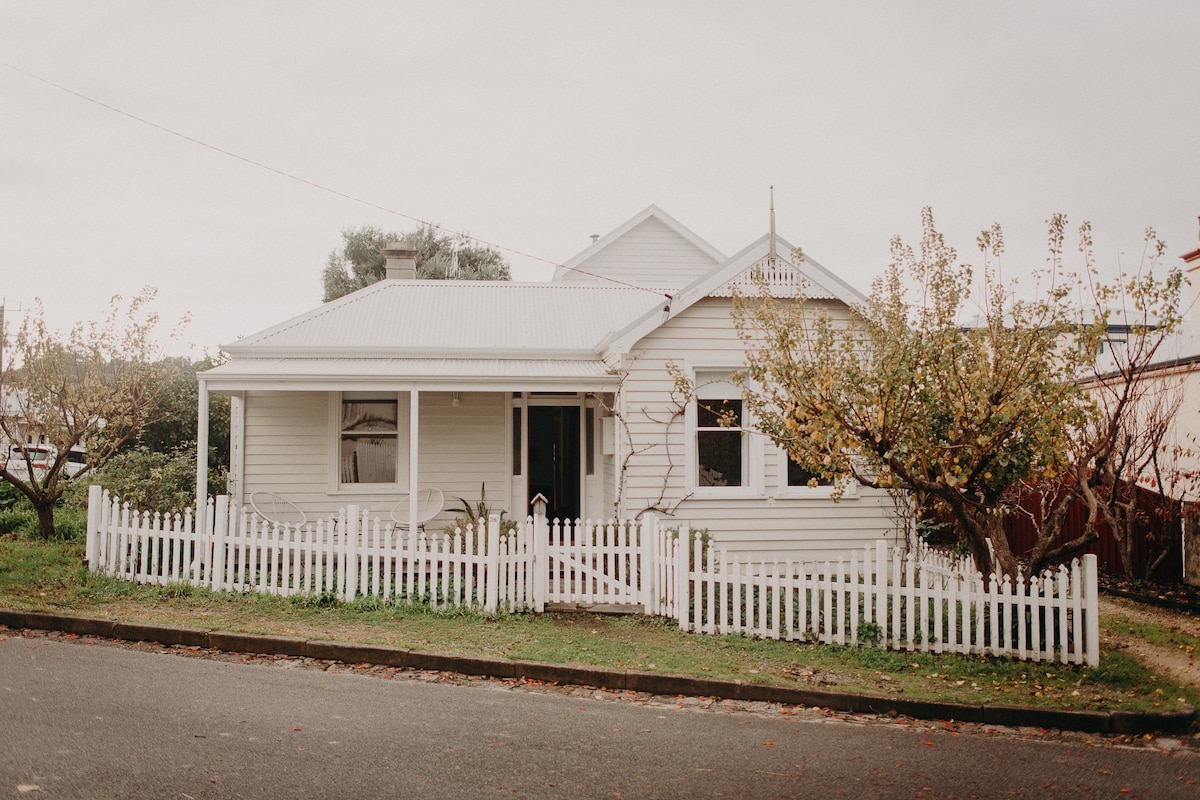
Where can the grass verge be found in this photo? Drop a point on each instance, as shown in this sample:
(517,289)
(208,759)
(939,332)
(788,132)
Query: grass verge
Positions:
(1162,635)
(49,576)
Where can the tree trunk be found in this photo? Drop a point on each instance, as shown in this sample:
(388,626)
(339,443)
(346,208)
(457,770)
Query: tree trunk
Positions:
(45,514)
(985,537)
(1004,562)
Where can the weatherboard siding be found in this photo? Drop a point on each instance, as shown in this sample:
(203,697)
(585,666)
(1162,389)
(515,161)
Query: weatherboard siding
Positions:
(291,446)
(764,524)
(651,254)
(463,448)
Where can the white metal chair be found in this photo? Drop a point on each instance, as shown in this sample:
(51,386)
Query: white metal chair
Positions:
(429,504)
(275,509)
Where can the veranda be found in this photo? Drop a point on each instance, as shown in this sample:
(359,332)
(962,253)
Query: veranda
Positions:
(879,596)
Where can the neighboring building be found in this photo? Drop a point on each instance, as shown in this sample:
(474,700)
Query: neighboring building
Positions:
(560,389)
(1187,427)
(1172,380)
(36,446)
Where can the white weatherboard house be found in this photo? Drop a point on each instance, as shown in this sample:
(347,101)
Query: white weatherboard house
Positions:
(560,389)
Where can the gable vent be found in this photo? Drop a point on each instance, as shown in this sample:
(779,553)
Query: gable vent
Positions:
(783,280)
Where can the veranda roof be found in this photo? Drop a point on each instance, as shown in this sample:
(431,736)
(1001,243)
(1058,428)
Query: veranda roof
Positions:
(483,318)
(443,334)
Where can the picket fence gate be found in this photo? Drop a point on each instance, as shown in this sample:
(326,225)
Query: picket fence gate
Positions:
(357,553)
(882,596)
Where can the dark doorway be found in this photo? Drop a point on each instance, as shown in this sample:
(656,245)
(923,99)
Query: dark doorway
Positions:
(554,459)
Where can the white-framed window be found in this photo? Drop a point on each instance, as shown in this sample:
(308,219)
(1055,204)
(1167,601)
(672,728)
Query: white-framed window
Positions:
(724,459)
(372,439)
(797,482)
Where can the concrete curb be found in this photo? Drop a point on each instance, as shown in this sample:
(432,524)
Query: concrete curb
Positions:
(1124,722)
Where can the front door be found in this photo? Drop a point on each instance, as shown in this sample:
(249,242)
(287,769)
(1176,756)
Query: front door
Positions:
(554,459)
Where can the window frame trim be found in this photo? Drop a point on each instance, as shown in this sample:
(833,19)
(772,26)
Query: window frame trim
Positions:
(753,483)
(403,444)
(786,490)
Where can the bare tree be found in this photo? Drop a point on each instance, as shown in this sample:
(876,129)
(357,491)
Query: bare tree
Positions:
(93,388)
(1138,398)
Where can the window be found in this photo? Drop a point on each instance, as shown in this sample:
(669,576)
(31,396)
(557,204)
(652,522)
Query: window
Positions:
(721,443)
(799,476)
(368,446)
(797,482)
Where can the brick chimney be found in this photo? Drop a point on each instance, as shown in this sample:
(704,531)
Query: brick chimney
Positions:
(1192,271)
(401,261)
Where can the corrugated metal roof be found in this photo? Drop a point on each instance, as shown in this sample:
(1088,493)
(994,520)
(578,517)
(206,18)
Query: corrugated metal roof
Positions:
(460,317)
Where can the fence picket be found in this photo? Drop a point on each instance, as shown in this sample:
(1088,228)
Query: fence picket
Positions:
(1061,602)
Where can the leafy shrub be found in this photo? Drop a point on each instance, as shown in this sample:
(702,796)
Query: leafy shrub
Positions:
(9,496)
(147,480)
(19,521)
(326,599)
(869,633)
(70,525)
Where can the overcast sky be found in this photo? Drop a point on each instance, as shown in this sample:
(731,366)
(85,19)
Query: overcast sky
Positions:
(535,124)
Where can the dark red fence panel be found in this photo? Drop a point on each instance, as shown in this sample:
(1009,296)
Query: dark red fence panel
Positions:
(1157,530)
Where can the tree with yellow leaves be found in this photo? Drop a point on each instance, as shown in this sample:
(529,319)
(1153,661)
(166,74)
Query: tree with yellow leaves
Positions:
(965,415)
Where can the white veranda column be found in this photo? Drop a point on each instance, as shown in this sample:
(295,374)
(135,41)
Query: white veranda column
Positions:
(202,457)
(414,416)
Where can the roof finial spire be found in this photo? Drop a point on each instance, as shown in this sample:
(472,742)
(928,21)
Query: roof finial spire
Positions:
(772,256)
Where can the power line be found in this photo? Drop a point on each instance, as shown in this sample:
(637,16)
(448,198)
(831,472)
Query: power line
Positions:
(319,186)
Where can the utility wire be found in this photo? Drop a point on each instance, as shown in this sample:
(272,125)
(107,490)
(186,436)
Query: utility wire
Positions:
(319,186)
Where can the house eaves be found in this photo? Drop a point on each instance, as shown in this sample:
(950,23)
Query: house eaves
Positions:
(399,374)
(428,353)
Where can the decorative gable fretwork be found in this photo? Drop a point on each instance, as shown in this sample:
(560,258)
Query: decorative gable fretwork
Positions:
(782,277)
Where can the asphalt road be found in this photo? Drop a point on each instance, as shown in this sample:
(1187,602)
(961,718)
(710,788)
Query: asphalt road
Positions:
(96,721)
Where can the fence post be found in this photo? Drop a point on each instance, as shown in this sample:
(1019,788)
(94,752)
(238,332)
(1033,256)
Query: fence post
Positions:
(683,553)
(104,544)
(352,552)
(204,539)
(646,569)
(93,524)
(492,587)
(541,567)
(1091,598)
(220,529)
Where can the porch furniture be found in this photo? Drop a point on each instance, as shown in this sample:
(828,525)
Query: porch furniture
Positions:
(275,509)
(429,505)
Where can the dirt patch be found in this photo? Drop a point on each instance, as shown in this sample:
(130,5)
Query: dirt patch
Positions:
(1166,594)
(1176,660)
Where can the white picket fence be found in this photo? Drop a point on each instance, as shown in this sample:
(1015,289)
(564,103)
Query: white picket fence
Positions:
(922,600)
(360,554)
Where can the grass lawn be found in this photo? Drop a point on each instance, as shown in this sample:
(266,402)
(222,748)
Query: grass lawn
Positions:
(50,577)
